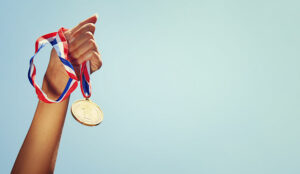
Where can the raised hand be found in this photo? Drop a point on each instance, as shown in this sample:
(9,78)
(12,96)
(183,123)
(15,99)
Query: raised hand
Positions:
(82,47)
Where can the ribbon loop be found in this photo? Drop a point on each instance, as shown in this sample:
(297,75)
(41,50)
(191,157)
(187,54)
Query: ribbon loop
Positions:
(59,43)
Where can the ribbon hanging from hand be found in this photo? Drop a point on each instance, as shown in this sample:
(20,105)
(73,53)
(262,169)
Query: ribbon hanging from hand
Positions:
(60,44)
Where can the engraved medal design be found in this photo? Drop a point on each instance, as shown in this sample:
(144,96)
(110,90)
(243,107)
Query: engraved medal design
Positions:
(87,112)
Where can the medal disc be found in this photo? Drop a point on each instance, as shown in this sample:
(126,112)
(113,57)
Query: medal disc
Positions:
(87,112)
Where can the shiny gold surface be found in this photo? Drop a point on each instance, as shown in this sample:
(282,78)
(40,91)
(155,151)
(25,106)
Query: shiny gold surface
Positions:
(87,112)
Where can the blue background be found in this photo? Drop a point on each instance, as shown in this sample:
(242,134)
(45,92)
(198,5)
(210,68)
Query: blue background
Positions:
(206,86)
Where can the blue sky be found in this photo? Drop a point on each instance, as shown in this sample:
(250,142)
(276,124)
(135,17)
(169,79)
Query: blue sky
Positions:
(207,87)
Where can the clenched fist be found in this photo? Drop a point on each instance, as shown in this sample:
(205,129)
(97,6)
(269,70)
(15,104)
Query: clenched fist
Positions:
(82,47)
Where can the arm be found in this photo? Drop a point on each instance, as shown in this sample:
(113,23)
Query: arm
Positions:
(39,150)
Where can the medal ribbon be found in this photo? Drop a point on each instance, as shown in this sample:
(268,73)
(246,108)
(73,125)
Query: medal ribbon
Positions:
(59,43)
(85,84)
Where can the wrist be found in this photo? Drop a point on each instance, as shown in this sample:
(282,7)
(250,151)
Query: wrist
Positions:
(50,90)
(55,77)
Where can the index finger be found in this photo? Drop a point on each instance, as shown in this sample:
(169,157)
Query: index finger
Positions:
(92,19)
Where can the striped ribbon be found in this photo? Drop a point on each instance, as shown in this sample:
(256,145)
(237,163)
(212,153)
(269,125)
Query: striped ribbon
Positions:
(59,43)
(85,79)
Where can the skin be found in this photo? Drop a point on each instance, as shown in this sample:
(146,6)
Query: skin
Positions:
(39,150)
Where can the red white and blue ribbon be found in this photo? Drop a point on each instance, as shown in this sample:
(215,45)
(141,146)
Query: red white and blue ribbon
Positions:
(85,79)
(59,43)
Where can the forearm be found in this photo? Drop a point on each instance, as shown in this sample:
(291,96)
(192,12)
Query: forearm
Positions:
(38,152)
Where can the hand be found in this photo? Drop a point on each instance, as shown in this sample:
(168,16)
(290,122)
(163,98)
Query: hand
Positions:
(82,47)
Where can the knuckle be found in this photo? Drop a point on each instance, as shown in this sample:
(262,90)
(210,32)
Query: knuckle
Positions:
(92,43)
(89,35)
(94,54)
(98,58)
(91,27)
(100,64)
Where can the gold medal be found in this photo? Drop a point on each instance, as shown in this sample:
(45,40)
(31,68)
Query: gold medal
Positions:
(87,112)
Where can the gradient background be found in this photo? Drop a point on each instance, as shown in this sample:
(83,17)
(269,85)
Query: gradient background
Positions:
(208,87)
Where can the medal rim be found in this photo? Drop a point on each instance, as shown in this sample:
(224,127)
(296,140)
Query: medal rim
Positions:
(86,124)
